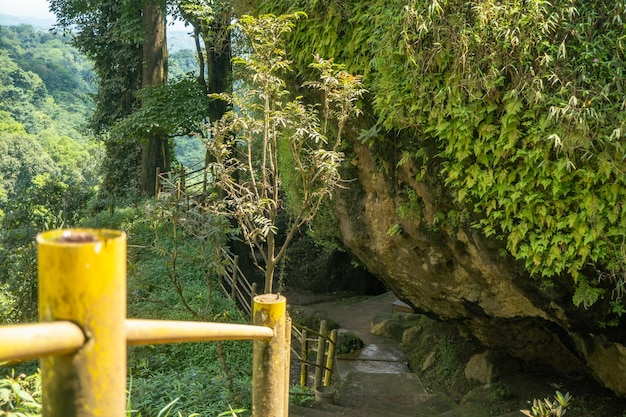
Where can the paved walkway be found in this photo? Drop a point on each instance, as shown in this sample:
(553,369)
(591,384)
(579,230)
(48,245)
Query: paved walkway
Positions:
(375,381)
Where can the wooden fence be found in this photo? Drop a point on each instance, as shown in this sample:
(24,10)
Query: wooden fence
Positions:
(192,183)
(321,343)
(187,186)
(83,332)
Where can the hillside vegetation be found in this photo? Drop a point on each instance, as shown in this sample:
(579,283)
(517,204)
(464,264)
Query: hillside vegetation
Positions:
(50,174)
(512,112)
(48,165)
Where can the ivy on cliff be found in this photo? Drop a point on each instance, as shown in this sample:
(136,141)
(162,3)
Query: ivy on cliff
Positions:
(523,99)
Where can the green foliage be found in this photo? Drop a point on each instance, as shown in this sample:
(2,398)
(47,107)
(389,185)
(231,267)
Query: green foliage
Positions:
(523,102)
(45,182)
(197,240)
(182,63)
(547,408)
(21,159)
(394,230)
(172,275)
(8,305)
(24,95)
(20,396)
(9,125)
(47,203)
(190,151)
(78,161)
(247,142)
(176,108)
(44,81)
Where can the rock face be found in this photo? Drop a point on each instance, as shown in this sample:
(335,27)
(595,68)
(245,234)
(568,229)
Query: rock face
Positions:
(460,276)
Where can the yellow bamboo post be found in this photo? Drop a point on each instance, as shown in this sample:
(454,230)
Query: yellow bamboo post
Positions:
(288,360)
(330,357)
(82,279)
(304,353)
(321,348)
(270,357)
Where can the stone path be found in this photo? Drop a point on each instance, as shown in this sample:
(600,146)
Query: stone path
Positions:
(375,381)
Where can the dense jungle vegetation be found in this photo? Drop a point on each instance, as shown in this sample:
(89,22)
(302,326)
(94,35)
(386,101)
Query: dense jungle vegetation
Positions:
(513,111)
(50,177)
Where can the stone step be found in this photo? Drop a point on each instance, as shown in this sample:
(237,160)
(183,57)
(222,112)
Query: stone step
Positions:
(374,358)
(311,410)
(404,389)
(317,409)
(432,406)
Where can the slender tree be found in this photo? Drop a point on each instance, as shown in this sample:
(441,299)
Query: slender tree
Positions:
(269,132)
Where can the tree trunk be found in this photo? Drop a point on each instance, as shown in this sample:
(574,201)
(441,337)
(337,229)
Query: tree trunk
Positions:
(155,150)
(219,66)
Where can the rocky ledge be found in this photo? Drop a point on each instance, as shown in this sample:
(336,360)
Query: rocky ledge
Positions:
(461,277)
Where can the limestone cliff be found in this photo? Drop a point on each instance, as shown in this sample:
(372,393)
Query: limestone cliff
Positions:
(458,275)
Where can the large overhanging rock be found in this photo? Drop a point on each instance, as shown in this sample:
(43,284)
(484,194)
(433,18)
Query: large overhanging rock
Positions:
(464,278)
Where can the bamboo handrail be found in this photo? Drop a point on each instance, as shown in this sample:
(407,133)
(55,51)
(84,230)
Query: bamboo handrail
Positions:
(83,332)
(32,340)
(146,332)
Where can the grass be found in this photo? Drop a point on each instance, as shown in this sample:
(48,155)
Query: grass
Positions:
(207,378)
(196,379)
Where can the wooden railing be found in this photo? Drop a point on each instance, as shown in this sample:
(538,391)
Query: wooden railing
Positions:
(236,286)
(189,182)
(239,289)
(310,341)
(322,342)
(83,332)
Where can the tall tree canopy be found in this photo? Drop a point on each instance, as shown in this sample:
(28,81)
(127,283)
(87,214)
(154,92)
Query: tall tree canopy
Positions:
(126,42)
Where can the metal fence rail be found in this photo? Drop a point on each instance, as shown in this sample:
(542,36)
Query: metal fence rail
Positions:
(83,332)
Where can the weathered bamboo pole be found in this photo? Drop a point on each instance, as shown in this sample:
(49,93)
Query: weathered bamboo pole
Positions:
(288,360)
(30,341)
(330,357)
(321,350)
(270,358)
(304,353)
(148,332)
(82,279)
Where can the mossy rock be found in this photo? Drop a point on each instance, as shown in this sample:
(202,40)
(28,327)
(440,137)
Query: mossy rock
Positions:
(348,342)
(393,325)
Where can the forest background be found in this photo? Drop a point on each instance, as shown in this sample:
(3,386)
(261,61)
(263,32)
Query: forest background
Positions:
(50,173)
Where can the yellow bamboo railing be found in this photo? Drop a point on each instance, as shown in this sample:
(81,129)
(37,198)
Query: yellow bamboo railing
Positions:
(83,330)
